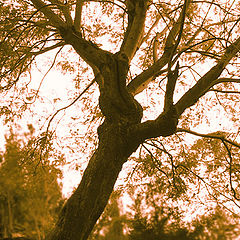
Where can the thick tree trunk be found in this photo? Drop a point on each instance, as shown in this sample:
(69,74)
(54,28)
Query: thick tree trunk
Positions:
(87,203)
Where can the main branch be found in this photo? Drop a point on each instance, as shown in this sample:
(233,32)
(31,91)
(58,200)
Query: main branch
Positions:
(136,19)
(55,20)
(208,80)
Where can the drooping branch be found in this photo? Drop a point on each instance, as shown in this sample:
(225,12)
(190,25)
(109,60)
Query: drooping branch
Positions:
(46,49)
(70,104)
(212,187)
(208,80)
(230,170)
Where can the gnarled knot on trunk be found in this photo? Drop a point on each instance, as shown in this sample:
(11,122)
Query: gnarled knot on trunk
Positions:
(114,109)
(118,134)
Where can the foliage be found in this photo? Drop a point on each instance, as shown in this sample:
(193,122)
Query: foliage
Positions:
(30,195)
(161,221)
(162,68)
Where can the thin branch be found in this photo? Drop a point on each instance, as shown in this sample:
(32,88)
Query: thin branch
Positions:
(69,105)
(164,150)
(154,160)
(46,49)
(230,170)
(207,184)
(222,80)
(224,91)
(209,135)
(50,68)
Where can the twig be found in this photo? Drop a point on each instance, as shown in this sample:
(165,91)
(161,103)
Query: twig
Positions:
(69,105)
(230,170)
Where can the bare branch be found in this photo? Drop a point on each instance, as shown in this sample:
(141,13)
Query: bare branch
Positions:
(136,19)
(140,82)
(65,10)
(224,91)
(210,135)
(222,80)
(78,15)
(171,83)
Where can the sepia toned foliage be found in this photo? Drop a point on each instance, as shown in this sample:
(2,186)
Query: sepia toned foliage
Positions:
(162,71)
(30,195)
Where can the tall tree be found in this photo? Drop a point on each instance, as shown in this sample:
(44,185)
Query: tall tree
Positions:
(30,195)
(163,39)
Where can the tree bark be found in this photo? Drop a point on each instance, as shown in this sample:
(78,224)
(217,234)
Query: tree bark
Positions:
(85,206)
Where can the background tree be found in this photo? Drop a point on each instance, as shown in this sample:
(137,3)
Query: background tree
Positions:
(29,190)
(185,53)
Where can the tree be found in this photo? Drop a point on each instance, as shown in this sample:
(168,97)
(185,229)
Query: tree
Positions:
(169,42)
(30,195)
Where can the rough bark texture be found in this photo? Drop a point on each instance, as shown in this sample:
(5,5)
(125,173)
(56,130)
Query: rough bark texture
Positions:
(85,206)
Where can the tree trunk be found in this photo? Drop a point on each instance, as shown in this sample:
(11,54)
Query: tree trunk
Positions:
(87,203)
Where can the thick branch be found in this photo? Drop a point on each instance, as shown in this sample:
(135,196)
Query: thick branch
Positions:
(136,19)
(65,10)
(140,82)
(165,125)
(90,52)
(55,20)
(78,15)
(171,83)
(208,80)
